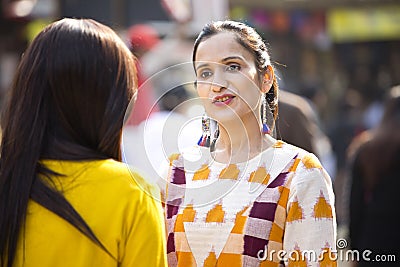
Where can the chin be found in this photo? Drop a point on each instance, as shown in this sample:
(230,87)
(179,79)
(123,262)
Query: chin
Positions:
(225,117)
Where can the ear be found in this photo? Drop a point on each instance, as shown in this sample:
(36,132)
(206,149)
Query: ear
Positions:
(267,79)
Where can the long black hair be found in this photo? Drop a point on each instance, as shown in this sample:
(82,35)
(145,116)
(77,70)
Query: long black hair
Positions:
(67,102)
(253,42)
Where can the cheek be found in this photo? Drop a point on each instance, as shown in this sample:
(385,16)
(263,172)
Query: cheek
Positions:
(202,91)
(247,105)
(250,97)
(203,94)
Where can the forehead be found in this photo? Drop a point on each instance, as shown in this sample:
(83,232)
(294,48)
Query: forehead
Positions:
(222,45)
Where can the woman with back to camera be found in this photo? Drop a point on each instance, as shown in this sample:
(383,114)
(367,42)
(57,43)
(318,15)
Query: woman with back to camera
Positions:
(248,199)
(66,199)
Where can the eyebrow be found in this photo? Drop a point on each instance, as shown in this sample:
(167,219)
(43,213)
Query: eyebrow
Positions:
(224,60)
(232,58)
(201,66)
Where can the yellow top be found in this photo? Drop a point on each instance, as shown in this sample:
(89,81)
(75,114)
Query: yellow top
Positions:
(121,208)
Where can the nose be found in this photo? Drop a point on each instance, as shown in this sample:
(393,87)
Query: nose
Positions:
(219,82)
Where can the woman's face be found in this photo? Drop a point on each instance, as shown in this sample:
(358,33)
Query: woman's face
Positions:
(227,78)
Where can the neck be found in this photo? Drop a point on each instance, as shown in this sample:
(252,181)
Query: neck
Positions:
(240,140)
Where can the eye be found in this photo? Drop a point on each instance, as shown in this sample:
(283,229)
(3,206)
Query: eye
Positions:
(204,74)
(233,67)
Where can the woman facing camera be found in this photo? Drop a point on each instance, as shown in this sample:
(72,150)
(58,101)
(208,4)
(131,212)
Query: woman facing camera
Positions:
(66,199)
(242,198)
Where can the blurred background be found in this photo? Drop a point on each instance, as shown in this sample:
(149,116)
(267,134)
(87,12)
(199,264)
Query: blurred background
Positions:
(341,56)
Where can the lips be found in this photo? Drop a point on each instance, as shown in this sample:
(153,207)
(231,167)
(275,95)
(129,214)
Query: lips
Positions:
(223,99)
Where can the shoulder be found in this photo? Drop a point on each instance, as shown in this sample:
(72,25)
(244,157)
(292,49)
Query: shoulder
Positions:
(103,179)
(106,187)
(306,158)
(305,165)
(111,167)
(189,155)
(309,176)
(111,171)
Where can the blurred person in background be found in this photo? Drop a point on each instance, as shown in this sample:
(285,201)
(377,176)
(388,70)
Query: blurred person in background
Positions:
(146,146)
(66,199)
(167,126)
(374,158)
(298,124)
(142,38)
(343,129)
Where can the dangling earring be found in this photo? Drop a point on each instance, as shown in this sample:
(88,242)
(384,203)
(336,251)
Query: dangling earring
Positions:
(216,135)
(206,136)
(265,129)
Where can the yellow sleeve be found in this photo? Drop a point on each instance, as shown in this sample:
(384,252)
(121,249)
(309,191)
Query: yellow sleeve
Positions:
(145,243)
